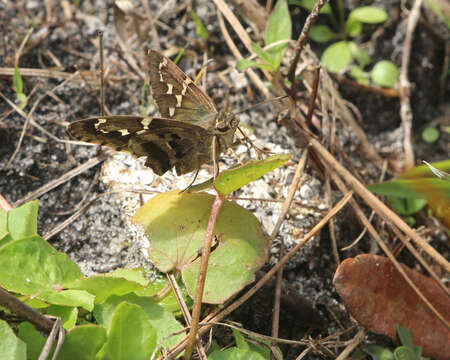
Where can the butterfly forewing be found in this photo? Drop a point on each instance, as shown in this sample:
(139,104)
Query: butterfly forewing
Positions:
(182,137)
(166,143)
(176,95)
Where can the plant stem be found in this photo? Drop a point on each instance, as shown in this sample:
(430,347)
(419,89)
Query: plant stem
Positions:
(218,202)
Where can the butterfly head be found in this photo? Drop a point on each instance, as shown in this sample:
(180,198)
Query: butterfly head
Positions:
(226,122)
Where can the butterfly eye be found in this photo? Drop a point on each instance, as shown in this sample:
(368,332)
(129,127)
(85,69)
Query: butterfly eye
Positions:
(222,126)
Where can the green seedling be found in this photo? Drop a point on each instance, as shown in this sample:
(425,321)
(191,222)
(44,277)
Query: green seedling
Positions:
(276,38)
(345,55)
(18,87)
(407,351)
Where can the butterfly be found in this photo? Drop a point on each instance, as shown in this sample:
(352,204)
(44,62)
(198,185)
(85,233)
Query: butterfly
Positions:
(189,133)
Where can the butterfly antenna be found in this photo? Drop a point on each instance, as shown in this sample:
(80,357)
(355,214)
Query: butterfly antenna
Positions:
(262,102)
(227,101)
(102,77)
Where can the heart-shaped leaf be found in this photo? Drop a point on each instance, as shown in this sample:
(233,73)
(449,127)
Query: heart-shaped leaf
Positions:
(175,224)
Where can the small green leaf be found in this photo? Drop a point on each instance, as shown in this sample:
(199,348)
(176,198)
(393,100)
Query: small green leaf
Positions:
(200,29)
(83,342)
(405,353)
(267,67)
(377,352)
(131,336)
(407,206)
(279,25)
(385,73)
(359,75)
(430,135)
(405,336)
(11,347)
(162,320)
(19,223)
(353,27)
(67,314)
(232,179)
(17,80)
(369,15)
(33,338)
(361,56)
(240,341)
(105,285)
(22,100)
(309,5)
(265,56)
(406,188)
(235,353)
(337,57)
(278,29)
(322,34)
(245,64)
(135,275)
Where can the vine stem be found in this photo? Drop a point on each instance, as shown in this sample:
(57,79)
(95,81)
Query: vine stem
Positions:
(218,202)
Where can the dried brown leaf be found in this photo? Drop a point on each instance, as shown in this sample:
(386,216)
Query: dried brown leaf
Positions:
(380,299)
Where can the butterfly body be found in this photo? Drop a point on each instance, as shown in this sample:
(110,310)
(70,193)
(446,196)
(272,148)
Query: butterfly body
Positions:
(182,137)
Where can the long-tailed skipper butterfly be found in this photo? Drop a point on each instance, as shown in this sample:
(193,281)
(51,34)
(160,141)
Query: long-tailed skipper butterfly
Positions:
(182,137)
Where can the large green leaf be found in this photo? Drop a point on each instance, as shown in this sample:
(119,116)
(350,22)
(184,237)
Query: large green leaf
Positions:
(162,321)
(33,338)
(68,314)
(83,343)
(411,188)
(131,336)
(425,171)
(30,266)
(175,224)
(105,285)
(18,223)
(11,347)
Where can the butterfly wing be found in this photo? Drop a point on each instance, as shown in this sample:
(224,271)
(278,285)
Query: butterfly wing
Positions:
(166,143)
(176,95)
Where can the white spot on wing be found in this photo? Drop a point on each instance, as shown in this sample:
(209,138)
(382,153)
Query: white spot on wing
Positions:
(162,63)
(145,122)
(169,89)
(186,83)
(179,99)
(171,111)
(124,132)
(99,122)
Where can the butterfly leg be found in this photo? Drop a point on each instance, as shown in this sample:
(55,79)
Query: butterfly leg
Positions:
(257,149)
(214,156)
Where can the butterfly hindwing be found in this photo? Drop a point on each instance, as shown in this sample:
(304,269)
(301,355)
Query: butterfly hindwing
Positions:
(176,95)
(166,143)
